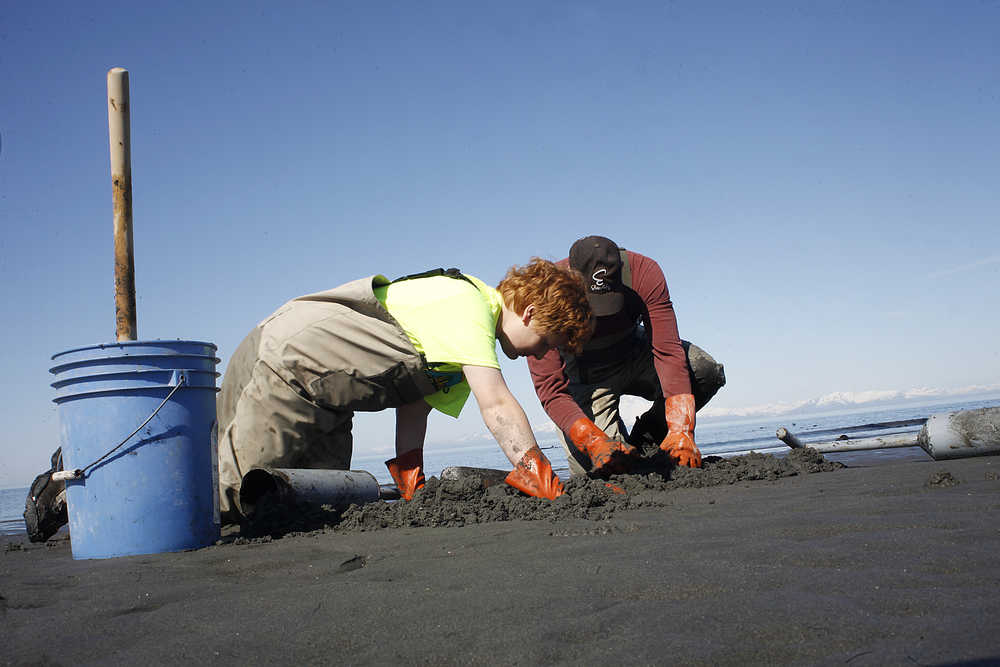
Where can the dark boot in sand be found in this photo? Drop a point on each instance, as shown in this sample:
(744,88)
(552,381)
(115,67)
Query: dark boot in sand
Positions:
(45,508)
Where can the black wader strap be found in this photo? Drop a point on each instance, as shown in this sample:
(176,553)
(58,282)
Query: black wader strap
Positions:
(633,302)
(626,269)
(451,273)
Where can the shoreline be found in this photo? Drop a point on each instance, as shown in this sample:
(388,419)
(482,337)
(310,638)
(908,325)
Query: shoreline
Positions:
(886,564)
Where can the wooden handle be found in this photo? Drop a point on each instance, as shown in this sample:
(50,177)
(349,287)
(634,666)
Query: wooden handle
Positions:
(121,192)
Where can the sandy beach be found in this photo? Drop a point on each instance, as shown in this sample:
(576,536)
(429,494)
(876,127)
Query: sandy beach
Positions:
(807,564)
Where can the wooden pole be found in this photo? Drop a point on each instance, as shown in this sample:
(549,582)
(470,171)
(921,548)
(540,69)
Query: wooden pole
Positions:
(121,192)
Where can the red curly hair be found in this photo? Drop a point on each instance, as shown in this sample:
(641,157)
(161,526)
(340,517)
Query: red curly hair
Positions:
(559,296)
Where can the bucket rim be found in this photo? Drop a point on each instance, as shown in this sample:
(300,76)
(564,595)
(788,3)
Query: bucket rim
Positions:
(129,391)
(126,376)
(66,365)
(134,343)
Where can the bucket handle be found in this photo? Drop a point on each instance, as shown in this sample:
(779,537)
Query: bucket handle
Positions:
(178,379)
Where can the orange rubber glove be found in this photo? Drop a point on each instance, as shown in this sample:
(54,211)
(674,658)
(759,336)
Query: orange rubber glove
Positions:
(533,475)
(607,456)
(679,443)
(407,470)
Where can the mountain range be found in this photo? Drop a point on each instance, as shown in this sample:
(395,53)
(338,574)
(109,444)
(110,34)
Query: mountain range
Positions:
(845,400)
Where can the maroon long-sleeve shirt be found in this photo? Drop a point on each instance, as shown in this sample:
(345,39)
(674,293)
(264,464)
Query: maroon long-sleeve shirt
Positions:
(549,374)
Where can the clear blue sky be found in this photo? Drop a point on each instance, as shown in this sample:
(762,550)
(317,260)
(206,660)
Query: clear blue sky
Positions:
(818,180)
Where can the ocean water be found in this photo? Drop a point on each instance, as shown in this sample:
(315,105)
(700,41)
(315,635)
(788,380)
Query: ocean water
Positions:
(715,437)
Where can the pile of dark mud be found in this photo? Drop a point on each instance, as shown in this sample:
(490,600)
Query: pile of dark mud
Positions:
(477,499)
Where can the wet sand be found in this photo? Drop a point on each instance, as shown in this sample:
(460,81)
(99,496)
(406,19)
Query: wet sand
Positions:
(750,561)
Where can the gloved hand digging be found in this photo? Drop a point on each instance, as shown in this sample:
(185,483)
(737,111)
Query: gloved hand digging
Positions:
(533,475)
(679,443)
(607,456)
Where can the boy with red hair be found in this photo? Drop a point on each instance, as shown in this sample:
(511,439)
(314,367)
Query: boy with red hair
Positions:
(422,342)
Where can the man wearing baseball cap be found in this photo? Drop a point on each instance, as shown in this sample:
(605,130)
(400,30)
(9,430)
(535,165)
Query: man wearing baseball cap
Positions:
(635,350)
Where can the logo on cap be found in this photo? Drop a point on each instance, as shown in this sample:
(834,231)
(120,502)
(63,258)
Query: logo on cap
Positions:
(598,277)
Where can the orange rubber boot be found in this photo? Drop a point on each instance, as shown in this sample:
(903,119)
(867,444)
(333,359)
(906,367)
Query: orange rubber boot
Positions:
(533,475)
(407,470)
(679,443)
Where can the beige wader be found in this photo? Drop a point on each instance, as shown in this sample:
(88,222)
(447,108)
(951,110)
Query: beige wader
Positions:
(292,386)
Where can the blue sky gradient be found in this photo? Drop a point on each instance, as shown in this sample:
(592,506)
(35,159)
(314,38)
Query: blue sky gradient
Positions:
(817,180)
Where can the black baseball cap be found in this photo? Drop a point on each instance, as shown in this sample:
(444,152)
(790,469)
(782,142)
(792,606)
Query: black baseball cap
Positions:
(599,260)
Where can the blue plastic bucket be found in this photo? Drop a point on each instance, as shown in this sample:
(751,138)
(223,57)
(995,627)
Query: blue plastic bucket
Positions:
(158,490)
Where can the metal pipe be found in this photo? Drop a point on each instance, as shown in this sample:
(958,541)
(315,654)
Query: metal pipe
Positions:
(389,492)
(849,444)
(954,435)
(120,141)
(788,438)
(949,435)
(876,426)
(337,488)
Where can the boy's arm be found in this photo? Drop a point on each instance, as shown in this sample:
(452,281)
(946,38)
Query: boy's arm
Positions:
(504,417)
(502,414)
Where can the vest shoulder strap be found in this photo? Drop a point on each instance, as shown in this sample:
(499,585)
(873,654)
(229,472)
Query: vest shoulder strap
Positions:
(626,269)
(633,302)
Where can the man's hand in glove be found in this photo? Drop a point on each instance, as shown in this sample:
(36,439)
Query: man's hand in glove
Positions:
(679,443)
(607,456)
(533,475)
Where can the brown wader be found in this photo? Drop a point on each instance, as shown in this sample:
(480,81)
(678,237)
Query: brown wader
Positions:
(598,391)
(292,386)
